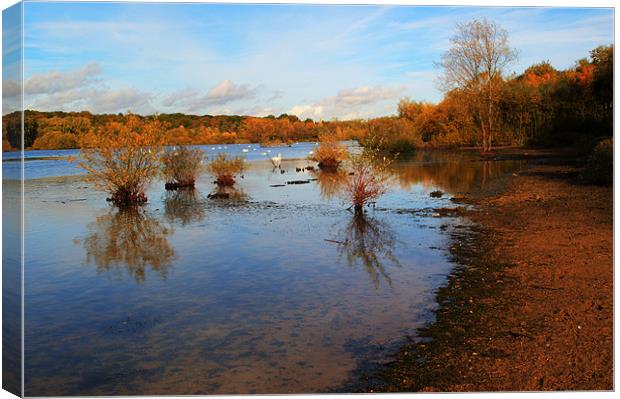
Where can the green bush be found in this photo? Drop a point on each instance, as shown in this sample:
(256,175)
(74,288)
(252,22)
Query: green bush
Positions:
(599,168)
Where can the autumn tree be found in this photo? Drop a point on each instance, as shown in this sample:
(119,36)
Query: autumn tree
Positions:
(329,153)
(475,64)
(368,178)
(121,158)
(603,82)
(180,166)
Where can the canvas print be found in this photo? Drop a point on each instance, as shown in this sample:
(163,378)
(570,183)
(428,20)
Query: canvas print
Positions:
(213,199)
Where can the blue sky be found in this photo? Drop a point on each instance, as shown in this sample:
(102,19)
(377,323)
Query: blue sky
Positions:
(322,62)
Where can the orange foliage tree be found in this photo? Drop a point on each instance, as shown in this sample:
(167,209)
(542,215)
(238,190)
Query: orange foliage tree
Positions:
(329,153)
(121,158)
(180,166)
(224,168)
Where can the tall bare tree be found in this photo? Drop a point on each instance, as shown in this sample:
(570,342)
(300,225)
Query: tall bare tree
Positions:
(475,65)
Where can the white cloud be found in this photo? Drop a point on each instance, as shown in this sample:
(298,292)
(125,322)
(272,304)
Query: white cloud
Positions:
(122,100)
(96,100)
(307,111)
(258,110)
(180,97)
(77,90)
(227,91)
(363,95)
(192,100)
(80,89)
(10,88)
(276,95)
(352,103)
(54,81)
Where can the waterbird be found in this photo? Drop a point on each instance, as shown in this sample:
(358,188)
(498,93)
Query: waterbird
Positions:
(244,150)
(276,160)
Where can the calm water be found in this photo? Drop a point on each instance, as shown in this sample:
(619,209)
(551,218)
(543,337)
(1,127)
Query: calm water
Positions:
(278,289)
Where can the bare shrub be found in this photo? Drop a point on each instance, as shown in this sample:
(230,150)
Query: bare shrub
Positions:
(121,158)
(180,166)
(225,168)
(368,179)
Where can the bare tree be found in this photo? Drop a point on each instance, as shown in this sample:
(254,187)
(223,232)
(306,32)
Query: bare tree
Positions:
(474,65)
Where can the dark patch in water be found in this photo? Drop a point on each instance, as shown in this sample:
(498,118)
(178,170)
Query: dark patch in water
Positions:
(130,325)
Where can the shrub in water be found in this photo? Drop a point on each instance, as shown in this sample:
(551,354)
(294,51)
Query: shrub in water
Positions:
(600,165)
(225,168)
(180,166)
(368,178)
(329,153)
(121,158)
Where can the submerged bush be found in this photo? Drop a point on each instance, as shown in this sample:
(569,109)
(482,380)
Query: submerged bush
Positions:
(368,179)
(121,158)
(599,168)
(180,166)
(225,168)
(329,153)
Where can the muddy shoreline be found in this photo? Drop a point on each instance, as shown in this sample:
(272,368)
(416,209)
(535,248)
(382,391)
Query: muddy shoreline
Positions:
(529,306)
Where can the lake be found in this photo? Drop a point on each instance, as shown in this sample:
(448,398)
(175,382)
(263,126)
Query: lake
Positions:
(278,289)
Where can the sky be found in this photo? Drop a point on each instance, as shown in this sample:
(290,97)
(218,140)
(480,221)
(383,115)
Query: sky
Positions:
(322,62)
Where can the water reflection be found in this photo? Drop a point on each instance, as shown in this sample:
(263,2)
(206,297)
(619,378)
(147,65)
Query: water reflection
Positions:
(228,193)
(184,206)
(370,242)
(451,171)
(330,182)
(129,237)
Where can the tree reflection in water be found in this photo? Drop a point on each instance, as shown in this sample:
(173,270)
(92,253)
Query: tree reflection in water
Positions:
(184,206)
(330,182)
(371,242)
(453,172)
(230,193)
(131,237)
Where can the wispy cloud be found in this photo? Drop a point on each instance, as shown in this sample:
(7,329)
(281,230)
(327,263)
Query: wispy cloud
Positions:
(54,81)
(223,93)
(350,101)
(363,95)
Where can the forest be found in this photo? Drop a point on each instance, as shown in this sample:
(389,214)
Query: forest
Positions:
(542,106)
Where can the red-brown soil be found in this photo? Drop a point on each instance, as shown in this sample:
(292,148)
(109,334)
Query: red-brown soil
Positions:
(531,307)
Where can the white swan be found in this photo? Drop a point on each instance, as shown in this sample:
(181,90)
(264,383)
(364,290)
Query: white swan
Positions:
(276,160)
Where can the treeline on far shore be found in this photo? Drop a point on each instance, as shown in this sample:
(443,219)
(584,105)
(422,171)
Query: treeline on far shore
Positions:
(542,106)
